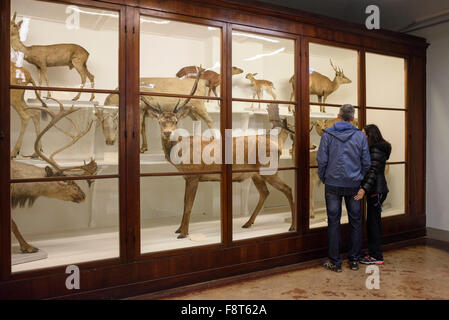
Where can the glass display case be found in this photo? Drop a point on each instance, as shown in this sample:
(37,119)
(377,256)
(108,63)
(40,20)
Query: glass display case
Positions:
(143,144)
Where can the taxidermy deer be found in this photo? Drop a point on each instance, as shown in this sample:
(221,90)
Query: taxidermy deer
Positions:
(109,124)
(23,193)
(20,76)
(213,78)
(55,55)
(322,86)
(321,125)
(259,86)
(196,107)
(168,122)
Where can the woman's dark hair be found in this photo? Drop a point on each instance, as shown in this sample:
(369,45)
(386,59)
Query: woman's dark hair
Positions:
(374,135)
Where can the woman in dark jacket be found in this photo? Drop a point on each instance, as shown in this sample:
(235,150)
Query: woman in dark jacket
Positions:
(374,185)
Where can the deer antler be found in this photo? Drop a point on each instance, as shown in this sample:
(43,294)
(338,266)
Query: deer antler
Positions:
(192,92)
(156,109)
(91,167)
(335,69)
(14,17)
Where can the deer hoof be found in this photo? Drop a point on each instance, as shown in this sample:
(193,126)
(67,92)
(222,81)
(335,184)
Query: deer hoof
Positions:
(182,236)
(143,149)
(29,249)
(179,230)
(247,225)
(292,228)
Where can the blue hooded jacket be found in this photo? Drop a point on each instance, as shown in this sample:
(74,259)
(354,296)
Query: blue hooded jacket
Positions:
(343,156)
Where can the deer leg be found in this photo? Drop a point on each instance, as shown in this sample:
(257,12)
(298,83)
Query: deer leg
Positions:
(25,118)
(44,73)
(263,194)
(189,198)
(209,89)
(143,132)
(280,185)
(24,246)
(271,92)
(35,116)
(259,93)
(79,66)
(91,79)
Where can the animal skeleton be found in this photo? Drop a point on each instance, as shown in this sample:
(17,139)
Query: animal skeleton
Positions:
(55,55)
(322,86)
(259,86)
(168,121)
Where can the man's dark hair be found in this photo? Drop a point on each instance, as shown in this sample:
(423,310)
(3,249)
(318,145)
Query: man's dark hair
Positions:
(346,112)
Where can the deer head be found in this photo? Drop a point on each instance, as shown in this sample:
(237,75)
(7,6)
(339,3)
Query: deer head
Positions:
(15,27)
(168,120)
(236,70)
(63,190)
(339,75)
(109,124)
(250,76)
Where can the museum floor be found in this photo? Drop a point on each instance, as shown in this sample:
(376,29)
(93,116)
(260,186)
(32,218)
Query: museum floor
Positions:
(414,272)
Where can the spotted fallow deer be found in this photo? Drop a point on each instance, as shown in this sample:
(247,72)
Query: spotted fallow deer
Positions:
(322,86)
(213,78)
(168,122)
(20,76)
(54,55)
(259,86)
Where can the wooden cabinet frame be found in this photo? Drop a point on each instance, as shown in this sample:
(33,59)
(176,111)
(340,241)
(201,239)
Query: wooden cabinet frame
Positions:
(133,273)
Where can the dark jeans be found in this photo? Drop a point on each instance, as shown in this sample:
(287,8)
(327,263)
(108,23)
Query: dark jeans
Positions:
(334,197)
(374,224)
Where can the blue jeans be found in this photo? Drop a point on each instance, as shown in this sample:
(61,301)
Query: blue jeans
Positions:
(334,197)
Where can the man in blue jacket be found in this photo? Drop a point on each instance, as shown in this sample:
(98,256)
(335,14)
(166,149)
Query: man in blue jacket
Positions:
(343,160)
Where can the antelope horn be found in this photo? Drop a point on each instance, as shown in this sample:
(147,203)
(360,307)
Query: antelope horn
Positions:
(14,17)
(156,110)
(192,92)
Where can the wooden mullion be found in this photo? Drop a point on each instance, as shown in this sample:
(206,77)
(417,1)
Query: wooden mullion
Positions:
(5,162)
(299,204)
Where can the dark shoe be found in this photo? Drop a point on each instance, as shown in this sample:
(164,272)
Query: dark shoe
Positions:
(353,265)
(371,260)
(331,266)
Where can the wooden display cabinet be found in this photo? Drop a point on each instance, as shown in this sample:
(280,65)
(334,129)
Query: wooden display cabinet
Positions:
(121,234)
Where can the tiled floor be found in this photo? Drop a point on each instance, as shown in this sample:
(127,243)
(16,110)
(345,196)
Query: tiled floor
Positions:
(416,272)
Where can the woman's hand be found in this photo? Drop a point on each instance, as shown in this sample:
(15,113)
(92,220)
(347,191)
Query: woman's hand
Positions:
(360,194)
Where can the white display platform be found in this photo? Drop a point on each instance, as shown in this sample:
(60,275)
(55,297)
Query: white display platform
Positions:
(18,257)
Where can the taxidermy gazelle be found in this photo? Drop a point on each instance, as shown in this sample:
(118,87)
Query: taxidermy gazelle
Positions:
(55,55)
(213,78)
(21,76)
(168,122)
(322,86)
(23,193)
(259,86)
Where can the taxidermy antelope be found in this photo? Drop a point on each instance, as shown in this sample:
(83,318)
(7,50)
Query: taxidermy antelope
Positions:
(55,55)
(259,86)
(109,124)
(322,86)
(321,125)
(20,76)
(196,107)
(21,193)
(168,122)
(213,78)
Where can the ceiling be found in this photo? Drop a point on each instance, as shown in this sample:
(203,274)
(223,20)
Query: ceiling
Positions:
(394,14)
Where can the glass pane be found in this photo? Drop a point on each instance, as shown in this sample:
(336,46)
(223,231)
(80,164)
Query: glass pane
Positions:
(162,203)
(267,64)
(385,81)
(395,202)
(48,35)
(171,52)
(262,205)
(64,222)
(170,138)
(252,130)
(392,126)
(74,138)
(332,74)
(320,122)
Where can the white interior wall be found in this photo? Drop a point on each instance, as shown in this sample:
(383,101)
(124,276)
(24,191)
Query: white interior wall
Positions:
(437,169)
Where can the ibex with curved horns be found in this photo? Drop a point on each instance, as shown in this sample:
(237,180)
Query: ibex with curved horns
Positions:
(168,122)
(322,86)
(54,55)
